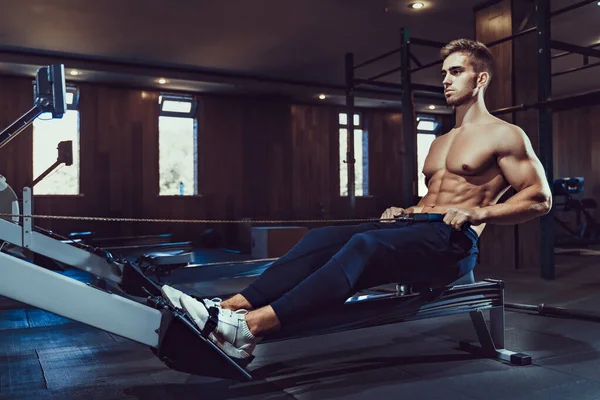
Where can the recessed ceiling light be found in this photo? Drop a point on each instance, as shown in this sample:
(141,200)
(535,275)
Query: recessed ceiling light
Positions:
(416,6)
(74,72)
(432,107)
(322,96)
(162,81)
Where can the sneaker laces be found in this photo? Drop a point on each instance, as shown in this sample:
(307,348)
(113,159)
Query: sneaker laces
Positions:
(231,313)
(214,302)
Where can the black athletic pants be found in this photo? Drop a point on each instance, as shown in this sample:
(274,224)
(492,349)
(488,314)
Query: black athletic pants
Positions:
(330,264)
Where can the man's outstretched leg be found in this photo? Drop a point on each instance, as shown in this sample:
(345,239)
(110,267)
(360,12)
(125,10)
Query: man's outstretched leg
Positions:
(238,332)
(314,250)
(369,259)
(310,253)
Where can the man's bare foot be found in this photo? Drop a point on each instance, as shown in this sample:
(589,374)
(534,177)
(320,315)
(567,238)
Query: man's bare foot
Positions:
(237,302)
(262,321)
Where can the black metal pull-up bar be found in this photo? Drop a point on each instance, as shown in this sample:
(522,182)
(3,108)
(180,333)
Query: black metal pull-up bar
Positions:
(425,66)
(380,57)
(572,7)
(575,49)
(427,43)
(568,71)
(567,53)
(386,73)
(511,37)
(557,104)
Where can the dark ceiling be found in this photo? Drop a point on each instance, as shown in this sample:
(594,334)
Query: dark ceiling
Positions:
(201,45)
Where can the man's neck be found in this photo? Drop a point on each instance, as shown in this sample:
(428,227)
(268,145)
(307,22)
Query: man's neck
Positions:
(471,112)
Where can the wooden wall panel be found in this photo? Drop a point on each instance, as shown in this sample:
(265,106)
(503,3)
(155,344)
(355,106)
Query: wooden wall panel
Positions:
(267,154)
(492,23)
(386,151)
(497,243)
(259,158)
(15,156)
(220,161)
(315,171)
(576,145)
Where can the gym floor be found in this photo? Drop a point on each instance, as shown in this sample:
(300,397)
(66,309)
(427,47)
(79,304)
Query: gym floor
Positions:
(44,356)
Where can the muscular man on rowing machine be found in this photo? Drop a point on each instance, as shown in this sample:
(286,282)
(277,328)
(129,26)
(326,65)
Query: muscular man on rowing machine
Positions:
(467,170)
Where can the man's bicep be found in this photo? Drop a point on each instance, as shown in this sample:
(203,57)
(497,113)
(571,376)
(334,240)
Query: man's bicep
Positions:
(522,173)
(520,165)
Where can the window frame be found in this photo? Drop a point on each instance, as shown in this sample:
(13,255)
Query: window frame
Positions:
(192,114)
(181,98)
(360,126)
(74,106)
(436,132)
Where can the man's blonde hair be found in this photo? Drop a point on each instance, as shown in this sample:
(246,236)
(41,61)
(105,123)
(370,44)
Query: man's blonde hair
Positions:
(480,57)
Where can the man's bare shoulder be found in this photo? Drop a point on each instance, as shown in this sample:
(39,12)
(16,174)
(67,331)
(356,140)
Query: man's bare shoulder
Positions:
(509,131)
(510,138)
(497,125)
(443,137)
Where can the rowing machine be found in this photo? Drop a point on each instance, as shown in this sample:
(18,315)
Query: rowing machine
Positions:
(132,307)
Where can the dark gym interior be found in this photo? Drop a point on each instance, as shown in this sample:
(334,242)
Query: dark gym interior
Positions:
(202,140)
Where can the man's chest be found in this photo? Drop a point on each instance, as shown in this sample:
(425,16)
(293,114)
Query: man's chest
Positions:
(463,153)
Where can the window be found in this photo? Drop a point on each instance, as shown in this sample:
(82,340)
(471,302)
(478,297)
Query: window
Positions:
(177,146)
(361,155)
(427,128)
(47,134)
(424,141)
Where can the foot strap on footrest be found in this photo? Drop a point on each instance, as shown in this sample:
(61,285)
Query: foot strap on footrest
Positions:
(211,322)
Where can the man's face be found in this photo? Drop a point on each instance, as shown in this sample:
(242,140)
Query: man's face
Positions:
(459,79)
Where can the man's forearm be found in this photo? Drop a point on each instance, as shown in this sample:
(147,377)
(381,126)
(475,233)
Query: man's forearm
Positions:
(527,204)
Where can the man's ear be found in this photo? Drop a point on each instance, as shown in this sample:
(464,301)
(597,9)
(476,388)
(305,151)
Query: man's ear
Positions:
(483,79)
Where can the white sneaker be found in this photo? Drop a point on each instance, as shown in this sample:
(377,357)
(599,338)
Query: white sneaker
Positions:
(231,335)
(173,296)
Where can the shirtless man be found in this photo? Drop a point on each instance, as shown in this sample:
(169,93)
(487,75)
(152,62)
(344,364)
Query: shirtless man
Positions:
(467,170)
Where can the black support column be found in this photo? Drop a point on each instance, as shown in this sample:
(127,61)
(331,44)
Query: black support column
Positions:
(409,166)
(350,119)
(545,131)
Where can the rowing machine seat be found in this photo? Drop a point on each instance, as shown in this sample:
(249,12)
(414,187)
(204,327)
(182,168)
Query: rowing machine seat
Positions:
(464,280)
(424,286)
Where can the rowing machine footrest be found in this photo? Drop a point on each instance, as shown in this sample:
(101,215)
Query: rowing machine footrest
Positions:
(182,348)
